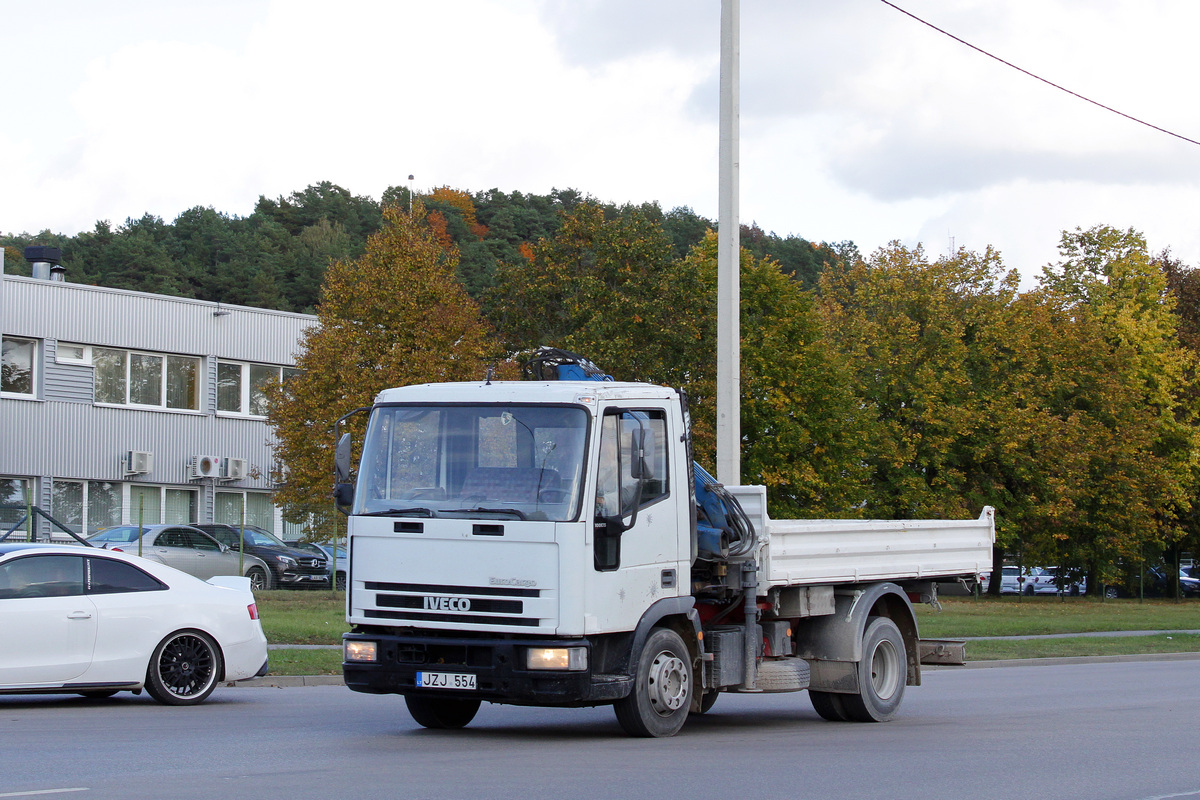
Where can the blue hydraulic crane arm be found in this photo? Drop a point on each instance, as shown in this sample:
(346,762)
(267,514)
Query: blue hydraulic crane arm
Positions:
(722,529)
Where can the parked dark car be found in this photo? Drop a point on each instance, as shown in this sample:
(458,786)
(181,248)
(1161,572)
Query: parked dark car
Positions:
(290,568)
(326,549)
(1153,582)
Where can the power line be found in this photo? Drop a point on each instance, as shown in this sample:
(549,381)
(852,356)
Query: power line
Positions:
(1038,77)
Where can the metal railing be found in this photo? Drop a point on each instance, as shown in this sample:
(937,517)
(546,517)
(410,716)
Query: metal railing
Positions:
(27,523)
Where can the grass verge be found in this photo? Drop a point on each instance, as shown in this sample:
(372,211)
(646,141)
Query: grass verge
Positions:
(306,662)
(1025,616)
(992,649)
(316,616)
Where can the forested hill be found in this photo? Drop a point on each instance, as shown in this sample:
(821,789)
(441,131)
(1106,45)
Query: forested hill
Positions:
(276,257)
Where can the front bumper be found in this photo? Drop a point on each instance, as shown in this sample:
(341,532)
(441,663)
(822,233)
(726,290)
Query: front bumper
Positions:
(496,663)
(290,578)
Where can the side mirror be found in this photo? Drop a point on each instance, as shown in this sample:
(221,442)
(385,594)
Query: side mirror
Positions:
(343,497)
(341,458)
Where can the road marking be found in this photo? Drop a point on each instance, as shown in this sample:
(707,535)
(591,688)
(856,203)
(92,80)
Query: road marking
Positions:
(33,792)
(1156,797)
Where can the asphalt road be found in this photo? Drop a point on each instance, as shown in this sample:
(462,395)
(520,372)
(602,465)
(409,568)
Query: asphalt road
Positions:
(1119,731)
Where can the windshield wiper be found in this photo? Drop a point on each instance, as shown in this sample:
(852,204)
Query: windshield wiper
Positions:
(400,512)
(516,512)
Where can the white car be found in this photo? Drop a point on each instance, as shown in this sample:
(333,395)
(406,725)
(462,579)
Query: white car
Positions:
(96,622)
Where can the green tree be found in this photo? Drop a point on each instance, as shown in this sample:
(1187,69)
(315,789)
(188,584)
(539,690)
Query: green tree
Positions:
(802,426)
(397,315)
(925,341)
(610,290)
(1136,470)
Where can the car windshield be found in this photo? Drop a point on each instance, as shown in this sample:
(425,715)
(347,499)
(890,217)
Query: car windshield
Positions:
(124,533)
(260,538)
(478,461)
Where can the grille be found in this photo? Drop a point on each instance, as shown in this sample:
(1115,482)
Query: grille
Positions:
(477,605)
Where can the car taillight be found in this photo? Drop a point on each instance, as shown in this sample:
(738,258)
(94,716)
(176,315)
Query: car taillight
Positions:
(117,550)
(253,609)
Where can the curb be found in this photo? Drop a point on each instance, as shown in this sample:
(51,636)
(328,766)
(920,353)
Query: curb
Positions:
(1066,660)
(289,681)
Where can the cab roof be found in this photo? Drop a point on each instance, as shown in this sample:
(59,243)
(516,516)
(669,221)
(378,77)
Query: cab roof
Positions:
(571,392)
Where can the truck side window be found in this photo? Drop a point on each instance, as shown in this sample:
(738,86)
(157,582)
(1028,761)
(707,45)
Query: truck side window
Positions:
(655,484)
(616,486)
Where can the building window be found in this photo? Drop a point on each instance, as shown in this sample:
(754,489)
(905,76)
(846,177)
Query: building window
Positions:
(257,505)
(151,380)
(68,353)
(17,367)
(87,506)
(13,491)
(241,387)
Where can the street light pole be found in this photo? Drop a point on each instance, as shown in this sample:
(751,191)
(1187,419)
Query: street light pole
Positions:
(729,427)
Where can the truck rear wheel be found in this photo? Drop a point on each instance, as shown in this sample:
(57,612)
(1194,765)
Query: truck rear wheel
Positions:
(441,712)
(662,688)
(881,674)
(829,705)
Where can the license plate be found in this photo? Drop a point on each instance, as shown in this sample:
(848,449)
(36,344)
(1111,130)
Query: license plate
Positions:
(445,680)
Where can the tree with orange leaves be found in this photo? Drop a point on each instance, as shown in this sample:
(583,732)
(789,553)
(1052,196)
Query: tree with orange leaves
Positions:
(395,316)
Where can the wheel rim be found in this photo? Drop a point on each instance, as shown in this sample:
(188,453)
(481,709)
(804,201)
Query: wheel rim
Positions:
(885,670)
(257,580)
(186,665)
(668,683)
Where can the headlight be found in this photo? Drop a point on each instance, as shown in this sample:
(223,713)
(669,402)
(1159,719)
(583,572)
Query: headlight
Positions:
(287,561)
(564,658)
(360,651)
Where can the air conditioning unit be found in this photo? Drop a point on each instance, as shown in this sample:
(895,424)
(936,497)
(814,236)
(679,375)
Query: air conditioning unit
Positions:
(233,469)
(205,467)
(138,462)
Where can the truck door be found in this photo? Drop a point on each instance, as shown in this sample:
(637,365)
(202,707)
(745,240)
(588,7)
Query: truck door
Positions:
(635,529)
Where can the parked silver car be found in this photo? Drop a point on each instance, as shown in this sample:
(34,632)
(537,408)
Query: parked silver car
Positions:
(186,549)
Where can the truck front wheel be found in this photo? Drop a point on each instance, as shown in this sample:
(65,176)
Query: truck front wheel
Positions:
(662,688)
(881,674)
(441,712)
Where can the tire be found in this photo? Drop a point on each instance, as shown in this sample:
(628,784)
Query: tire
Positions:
(1111,593)
(662,688)
(829,705)
(259,580)
(1029,590)
(339,582)
(98,694)
(441,713)
(882,674)
(184,669)
(708,701)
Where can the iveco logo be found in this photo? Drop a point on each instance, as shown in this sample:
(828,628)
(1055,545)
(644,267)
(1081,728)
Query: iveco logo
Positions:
(448,603)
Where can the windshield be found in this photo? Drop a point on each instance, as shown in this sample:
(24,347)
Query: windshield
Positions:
(261,538)
(127,533)
(492,462)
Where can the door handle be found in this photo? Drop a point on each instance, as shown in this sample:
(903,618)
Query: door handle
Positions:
(79,615)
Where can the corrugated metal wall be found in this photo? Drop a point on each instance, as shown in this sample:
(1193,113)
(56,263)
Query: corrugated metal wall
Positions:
(63,435)
(72,312)
(75,440)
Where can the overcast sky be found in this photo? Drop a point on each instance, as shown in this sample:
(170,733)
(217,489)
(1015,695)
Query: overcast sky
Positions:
(857,122)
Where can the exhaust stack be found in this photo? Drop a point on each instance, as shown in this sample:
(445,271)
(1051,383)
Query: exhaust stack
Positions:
(47,263)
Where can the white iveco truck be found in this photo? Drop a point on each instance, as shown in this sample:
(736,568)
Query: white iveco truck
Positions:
(550,543)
